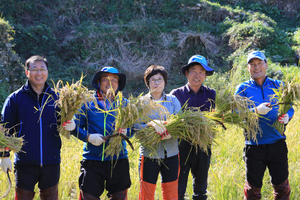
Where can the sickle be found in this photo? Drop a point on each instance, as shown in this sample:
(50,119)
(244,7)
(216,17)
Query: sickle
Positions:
(278,104)
(9,187)
(119,134)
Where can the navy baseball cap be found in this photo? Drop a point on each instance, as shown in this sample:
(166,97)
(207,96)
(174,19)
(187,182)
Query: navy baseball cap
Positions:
(256,54)
(197,59)
(112,70)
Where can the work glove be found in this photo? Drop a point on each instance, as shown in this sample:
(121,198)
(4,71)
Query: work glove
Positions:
(166,135)
(95,139)
(123,131)
(69,125)
(5,164)
(263,108)
(284,118)
(160,129)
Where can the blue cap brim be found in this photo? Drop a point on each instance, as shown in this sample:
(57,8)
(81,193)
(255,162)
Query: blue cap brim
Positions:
(122,79)
(209,71)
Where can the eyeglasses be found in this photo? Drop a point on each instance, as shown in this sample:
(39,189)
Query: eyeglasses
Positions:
(194,73)
(112,80)
(159,80)
(42,70)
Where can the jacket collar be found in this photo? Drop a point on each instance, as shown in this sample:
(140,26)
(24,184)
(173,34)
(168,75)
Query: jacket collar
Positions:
(148,96)
(27,87)
(265,81)
(187,89)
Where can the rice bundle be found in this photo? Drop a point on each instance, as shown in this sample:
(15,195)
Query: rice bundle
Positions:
(189,124)
(134,111)
(13,143)
(234,110)
(71,98)
(285,96)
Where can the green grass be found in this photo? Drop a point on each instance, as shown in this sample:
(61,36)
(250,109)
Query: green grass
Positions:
(226,174)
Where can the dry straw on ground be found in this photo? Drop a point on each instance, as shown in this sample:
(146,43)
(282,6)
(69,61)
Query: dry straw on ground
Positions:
(71,99)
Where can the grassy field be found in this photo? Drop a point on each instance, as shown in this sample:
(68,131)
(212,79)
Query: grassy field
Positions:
(226,175)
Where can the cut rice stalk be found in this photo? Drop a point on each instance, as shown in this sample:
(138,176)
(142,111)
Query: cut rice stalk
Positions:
(71,99)
(189,124)
(11,142)
(286,95)
(127,113)
(235,110)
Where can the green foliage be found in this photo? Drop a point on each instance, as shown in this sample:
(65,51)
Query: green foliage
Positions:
(6,31)
(35,40)
(296,36)
(269,10)
(3,94)
(83,36)
(11,70)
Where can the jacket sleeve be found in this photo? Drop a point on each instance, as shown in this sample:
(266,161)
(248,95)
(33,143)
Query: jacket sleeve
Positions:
(10,113)
(290,112)
(81,125)
(240,91)
(9,117)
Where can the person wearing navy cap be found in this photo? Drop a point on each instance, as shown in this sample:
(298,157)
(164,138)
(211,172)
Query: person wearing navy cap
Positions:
(98,170)
(196,95)
(270,149)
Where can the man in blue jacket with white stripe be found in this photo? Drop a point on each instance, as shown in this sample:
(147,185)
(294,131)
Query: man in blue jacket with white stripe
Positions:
(30,112)
(270,149)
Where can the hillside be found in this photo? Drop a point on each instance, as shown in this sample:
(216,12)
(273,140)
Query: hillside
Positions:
(83,36)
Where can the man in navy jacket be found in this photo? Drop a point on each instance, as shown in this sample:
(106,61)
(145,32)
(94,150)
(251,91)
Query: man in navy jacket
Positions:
(270,149)
(30,112)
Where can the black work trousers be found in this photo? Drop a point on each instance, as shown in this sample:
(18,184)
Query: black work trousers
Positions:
(196,162)
(259,157)
(27,176)
(99,175)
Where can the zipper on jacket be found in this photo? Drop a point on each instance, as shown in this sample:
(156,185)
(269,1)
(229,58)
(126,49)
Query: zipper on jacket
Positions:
(41,126)
(262,91)
(105,116)
(41,133)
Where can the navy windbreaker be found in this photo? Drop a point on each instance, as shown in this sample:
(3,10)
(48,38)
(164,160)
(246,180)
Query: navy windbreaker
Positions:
(36,123)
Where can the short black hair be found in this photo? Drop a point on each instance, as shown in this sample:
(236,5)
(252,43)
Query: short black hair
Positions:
(153,70)
(34,59)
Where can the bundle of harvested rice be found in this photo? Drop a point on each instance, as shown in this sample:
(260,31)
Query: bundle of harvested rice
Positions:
(285,97)
(13,143)
(234,110)
(127,113)
(189,124)
(71,98)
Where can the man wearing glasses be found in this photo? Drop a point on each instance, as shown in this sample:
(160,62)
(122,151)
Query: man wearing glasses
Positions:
(30,113)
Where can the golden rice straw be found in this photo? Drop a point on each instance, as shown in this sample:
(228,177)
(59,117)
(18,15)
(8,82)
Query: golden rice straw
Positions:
(285,97)
(235,110)
(71,99)
(12,142)
(127,113)
(189,124)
